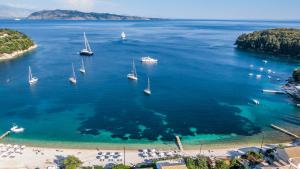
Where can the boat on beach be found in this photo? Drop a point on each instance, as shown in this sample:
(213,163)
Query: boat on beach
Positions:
(148,89)
(72,79)
(133,74)
(31,79)
(82,68)
(87,51)
(148,60)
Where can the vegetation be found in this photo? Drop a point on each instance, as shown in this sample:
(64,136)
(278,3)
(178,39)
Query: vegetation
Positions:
(94,167)
(275,41)
(254,157)
(296,75)
(221,164)
(121,166)
(72,162)
(200,162)
(11,41)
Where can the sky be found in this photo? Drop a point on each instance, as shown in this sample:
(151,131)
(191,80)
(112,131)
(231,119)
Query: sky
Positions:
(181,9)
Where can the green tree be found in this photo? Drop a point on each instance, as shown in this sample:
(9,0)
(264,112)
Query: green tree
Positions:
(72,162)
(120,166)
(221,164)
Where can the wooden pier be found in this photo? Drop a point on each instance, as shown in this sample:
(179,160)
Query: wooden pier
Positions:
(179,144)
(284,131)
(4,135)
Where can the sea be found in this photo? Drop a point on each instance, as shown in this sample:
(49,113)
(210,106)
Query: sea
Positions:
(201,88)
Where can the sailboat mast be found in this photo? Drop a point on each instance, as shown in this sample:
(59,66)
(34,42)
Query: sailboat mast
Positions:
(133,68)
(82,64)
(29,73)
(148,83)
(73,71)
(84,37)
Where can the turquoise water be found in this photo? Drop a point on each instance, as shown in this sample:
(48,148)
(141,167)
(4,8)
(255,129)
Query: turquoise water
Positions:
(201,88)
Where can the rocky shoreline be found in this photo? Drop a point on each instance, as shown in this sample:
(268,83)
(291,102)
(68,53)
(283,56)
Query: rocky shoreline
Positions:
(16,54)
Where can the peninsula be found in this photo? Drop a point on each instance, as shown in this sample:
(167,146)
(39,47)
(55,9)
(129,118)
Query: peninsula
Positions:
(281,41)
(14,44)
(77,15)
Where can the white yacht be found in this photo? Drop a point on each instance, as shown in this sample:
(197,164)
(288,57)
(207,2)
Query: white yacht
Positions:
(255,101)
(250,74)
(82,68)
(123,36)
(72,79)
(17,129)
(87,51)
(261,69)
(31,79)
(258,76)
(148,60)
(265,61)
(148,89)
(133,74)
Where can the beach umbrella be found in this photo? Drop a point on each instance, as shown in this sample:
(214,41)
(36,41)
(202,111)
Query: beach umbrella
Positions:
(153,150)
(145,150)
(102,157)
(8,145)
(1,145)
(16,146)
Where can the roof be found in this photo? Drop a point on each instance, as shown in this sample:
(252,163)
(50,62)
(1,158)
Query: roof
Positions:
(292,152)
(171,164)
(174,166)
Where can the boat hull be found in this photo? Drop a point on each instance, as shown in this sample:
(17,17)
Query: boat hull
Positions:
(132,77)
(86,53)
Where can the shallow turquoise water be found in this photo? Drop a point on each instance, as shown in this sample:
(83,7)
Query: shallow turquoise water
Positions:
(201,88)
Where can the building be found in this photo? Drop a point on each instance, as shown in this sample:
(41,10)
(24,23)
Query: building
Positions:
(171,164)
(290,155)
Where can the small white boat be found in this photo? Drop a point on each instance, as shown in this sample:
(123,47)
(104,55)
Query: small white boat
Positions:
(31,79)
(265,61)
(270,77)
(17,129)
(251,66)
(148,60)
(261,69)
(133,74)
(72,79)
(17,19)
(273,91)
(258,76)
(87,51)
(123,36)
(82,68)
(250,74)
(269,71)
(255,101)
(148,89)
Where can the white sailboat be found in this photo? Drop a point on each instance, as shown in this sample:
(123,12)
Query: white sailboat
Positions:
(82,68)
(133,74)
(31,79)
(87,50)
(148,89)
(148,60)
(72,79)
(123,35)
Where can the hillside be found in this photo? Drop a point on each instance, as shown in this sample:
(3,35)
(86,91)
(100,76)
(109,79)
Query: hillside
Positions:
(275,41)
(14,43)
(77,15)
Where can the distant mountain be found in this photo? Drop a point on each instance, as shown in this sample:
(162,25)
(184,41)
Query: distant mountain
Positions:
(77,15)
(7,12)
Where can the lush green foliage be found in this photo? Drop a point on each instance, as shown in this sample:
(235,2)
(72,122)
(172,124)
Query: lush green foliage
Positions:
(200,162)
(254,157)
(72,162)
(98,167)
(11,41)
(221,164)
(276,41)
(121,166)
(235,164)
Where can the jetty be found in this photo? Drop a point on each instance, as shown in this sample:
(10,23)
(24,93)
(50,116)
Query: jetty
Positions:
(273,91)
(4,135)
(284,131)
(179,144)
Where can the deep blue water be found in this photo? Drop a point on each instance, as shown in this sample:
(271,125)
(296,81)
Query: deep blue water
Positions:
(201,88)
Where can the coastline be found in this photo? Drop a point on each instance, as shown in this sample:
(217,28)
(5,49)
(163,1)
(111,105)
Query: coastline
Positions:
(16,54)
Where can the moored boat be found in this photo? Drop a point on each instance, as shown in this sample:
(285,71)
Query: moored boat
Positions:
(133,74)
(72,79)
(31,79)
(148,60)
(148,89)
(87,51)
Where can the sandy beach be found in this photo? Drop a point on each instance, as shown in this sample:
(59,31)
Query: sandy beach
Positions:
(33,157)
